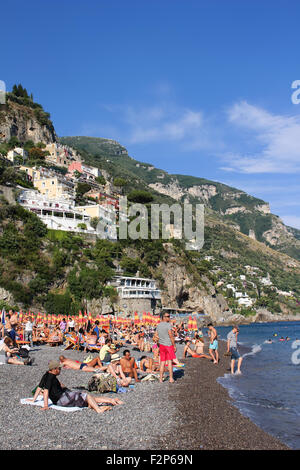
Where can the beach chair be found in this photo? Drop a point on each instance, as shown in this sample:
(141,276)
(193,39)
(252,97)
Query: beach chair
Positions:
(72,342)
(93,347)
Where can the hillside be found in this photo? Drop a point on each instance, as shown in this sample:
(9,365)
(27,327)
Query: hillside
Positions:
(247,214)
(63,271)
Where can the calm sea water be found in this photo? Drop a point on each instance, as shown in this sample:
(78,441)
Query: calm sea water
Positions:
(268,391)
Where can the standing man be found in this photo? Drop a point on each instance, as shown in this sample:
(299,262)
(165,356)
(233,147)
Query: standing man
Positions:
(213,344)
(167,347)
(232,348)
(29,331)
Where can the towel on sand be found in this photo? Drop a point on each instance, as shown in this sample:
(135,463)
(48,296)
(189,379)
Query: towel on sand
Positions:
(40,402)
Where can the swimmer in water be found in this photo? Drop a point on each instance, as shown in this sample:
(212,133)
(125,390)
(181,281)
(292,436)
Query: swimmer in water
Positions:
(269,341)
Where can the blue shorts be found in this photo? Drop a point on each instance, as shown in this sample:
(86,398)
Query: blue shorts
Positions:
(214,345)
(234,353)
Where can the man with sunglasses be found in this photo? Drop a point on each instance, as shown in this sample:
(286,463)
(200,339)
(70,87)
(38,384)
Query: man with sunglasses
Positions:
(167,347)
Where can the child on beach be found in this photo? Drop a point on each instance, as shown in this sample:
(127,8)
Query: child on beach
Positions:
(213,345)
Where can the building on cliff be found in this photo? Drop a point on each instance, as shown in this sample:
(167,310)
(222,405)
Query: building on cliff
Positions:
(137,294)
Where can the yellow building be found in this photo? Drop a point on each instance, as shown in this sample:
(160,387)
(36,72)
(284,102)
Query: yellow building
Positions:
(54,188)
(32,172)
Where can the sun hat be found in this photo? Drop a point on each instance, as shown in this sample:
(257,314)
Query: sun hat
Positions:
(53,364)
(115,357)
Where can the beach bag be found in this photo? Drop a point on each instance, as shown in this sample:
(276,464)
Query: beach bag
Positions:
(102,383)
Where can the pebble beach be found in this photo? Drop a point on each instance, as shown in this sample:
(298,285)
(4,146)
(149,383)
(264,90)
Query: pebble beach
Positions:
(193,413)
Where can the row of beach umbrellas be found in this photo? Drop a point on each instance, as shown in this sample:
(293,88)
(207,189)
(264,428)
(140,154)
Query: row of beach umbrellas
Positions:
(147,319)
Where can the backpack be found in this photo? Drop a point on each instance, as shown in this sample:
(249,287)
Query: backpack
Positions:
(102,383)
(23,353)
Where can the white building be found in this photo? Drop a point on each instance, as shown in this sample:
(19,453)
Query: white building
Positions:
(266,281)
(17,152)
(136,288)
(60,214)
(245,302)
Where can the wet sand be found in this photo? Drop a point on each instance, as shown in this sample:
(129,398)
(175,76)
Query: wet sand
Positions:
(206,417)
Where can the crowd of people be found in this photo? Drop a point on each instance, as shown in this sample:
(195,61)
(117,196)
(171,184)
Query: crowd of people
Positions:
(113,347)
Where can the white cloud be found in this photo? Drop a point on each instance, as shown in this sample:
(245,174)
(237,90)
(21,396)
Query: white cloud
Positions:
(275,137)
(163,122)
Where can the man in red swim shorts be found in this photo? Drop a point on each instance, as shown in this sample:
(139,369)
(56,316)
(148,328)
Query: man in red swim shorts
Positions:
(167,347)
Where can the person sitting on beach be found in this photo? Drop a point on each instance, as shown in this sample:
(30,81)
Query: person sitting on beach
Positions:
(102,337)
(91,366)
(129,366)
(106,351)
(233,349)
(213,345)
(60,395)
(42,333)
(115,369)
(9,353)
(147,364)
(198,351)
(91,340)
(56,336)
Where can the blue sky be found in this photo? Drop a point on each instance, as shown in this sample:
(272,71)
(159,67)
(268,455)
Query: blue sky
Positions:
(194,87)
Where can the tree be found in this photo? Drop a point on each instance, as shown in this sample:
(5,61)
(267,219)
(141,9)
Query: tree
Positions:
(120,182)
(140,196)
(36,153)
(94,222)
(82,226)
(101,180)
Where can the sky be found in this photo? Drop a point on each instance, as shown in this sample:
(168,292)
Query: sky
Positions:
(194,87)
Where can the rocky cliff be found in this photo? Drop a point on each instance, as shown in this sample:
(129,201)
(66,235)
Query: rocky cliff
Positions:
(25,123)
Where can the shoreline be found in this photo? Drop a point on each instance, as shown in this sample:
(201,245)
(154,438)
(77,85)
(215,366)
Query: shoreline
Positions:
(211,421)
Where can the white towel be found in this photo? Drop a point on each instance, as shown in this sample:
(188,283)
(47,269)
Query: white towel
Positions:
(40,402)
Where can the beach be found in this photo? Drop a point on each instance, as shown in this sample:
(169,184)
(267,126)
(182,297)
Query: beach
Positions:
(194,413)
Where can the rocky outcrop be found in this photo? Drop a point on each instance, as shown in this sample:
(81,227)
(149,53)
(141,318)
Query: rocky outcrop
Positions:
(278,233)
(23,123)
(180,290)
(172,189)
(6,296)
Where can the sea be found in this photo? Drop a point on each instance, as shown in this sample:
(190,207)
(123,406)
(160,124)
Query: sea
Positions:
(268,391)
